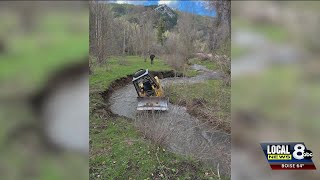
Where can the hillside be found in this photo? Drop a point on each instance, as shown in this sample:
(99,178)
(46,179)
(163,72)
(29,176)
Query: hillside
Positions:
(132,13)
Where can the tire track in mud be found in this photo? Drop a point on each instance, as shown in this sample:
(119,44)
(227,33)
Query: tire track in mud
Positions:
(177,130)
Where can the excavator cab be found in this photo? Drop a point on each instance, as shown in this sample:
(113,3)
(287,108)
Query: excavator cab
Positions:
(150,92)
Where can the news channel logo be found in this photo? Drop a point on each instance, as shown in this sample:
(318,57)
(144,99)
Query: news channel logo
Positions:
(288,155)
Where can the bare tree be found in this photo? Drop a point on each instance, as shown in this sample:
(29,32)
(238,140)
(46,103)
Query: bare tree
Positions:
(100,24)
(221,36)
(222,32)
(186,35)
(146,35)
(124,41)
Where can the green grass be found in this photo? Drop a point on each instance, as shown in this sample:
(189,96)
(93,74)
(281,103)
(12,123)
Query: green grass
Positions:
(191,73)
(212,93)
(208,64)
(273,32)
(112,70)
(205,90)
(31,58)
(118,151)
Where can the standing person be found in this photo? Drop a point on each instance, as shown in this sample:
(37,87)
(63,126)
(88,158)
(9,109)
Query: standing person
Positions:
(152,56)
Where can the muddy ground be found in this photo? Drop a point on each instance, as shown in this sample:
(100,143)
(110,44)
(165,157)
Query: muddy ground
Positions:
(175,129)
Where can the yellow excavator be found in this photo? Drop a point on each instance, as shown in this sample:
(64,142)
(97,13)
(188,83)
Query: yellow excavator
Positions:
(150,92)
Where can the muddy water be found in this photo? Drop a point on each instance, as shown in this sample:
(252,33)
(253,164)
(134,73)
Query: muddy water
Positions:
(180,132)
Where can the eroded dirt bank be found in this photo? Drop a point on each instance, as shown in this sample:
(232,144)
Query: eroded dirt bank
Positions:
(176,129)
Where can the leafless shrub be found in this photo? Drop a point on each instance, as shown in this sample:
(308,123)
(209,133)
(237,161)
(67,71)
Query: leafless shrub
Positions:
(100,22)
(204,56)
(155,129)
(179,45)
(175,55)
(177,61)
(224,64)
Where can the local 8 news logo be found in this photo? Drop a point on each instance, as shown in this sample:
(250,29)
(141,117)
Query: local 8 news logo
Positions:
(288,156)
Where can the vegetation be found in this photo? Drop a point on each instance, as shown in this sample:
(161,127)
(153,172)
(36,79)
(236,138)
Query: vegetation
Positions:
(191,73)
(209,101)
(118,149)
(39,54)
(112,70)
(121,39)
(149,33)
(207,63)
(132,13)
(161,30)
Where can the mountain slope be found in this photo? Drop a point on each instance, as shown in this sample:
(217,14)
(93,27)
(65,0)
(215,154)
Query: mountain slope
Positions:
(154,13)
(133,13)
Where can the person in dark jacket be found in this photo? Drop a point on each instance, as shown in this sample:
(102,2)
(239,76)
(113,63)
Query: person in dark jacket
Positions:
(152,56)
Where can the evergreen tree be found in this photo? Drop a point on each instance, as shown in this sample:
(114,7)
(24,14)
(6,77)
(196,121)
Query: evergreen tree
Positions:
(161,30)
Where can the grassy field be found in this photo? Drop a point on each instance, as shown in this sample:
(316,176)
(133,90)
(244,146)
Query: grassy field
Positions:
(54,43)
(117,148)
(210,101)
(24,67)
(116,68)
(119,152)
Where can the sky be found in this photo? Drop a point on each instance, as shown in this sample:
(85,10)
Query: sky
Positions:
(196,7)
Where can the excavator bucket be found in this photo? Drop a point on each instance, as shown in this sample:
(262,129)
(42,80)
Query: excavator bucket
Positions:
(152,103)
